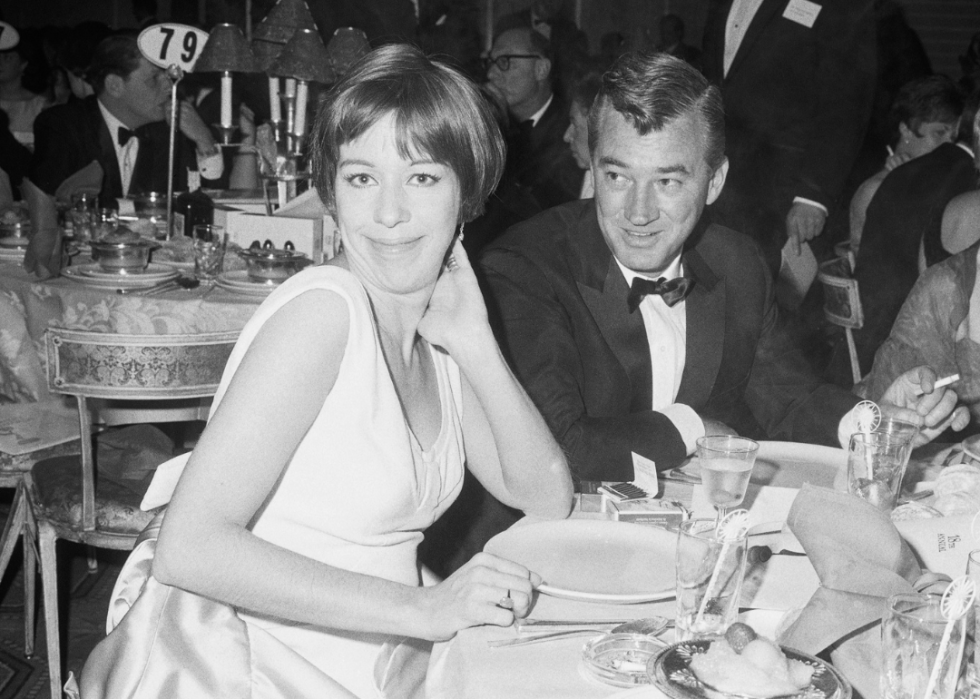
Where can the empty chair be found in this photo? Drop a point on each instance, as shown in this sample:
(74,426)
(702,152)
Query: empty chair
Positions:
(137,379)
(842,304)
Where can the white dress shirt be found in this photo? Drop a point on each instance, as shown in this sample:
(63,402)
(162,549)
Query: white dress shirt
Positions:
(536,117)
(666,329)
(210,166)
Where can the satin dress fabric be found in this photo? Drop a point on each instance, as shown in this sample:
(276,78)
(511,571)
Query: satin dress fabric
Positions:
(357,494)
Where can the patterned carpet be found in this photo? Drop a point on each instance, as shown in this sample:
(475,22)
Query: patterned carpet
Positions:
(83,608)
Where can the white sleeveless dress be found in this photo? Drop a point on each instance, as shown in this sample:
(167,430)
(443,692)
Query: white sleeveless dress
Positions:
(357,494)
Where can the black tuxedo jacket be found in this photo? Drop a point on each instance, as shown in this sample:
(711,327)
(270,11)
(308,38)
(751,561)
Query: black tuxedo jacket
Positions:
(558,300)
(541,164)
(797,104)
(70,136)
(906,210)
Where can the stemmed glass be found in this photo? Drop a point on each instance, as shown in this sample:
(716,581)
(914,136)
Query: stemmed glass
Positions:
(726,466)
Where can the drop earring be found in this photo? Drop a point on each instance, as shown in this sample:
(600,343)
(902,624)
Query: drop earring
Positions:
(461,226)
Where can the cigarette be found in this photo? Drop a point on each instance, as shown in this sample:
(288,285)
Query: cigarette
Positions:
(941,383)
(946,381)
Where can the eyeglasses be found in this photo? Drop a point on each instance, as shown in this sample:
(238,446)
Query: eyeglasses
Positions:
(503,61)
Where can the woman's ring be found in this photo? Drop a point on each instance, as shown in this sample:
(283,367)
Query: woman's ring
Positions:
(506,602)
(451,264)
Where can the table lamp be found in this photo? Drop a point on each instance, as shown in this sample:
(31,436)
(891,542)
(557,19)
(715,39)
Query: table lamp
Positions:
(226,52)
(304,59)
(346,46)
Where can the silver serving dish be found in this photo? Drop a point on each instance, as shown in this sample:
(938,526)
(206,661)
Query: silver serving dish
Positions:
(267,264)
(122,257)
(15,235)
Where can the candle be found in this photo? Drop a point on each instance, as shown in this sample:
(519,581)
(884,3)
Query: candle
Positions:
(275,109)
(226,100)
(301,96)
(290,88)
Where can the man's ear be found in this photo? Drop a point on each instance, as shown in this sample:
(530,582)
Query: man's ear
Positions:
(542,69)
(717,182)
(114,84)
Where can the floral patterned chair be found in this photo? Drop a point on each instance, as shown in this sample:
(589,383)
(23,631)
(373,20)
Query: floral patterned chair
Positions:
(121,379)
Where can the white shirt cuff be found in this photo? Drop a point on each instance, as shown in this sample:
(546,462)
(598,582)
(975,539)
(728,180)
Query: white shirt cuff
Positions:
(810,202)
(687,423)
(212,166)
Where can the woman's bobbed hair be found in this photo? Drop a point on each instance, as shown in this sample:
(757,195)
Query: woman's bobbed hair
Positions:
(438,113)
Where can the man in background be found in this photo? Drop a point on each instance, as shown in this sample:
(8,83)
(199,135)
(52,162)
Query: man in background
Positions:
(122,127)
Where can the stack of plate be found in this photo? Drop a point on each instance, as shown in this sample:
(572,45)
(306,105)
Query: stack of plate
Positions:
(93,275)
(12,249)
(238,282)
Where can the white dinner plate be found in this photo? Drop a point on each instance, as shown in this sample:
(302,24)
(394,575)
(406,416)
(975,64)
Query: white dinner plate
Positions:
(237,282)
(594,560)
(152,272)
(12,254)
(783,464)
(118,281)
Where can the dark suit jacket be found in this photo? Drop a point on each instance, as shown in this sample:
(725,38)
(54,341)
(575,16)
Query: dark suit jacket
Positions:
(559,302)
(70,136)
(906,210)
(542,166)
(797,104)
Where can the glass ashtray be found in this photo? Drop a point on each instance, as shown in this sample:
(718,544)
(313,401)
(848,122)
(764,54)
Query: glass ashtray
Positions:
(620,659)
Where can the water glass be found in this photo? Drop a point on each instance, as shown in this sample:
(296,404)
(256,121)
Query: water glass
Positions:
(726,466)
(899,430)
(911,634)
(82,214)
(875,467)
(709,579)
(209,251)
(973,570)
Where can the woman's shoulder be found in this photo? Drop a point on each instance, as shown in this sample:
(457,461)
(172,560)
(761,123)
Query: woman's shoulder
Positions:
(961,222)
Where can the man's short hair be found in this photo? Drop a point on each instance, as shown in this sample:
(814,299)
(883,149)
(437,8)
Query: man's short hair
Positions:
(653,89)
(935,98)
(438,112)
(118,54)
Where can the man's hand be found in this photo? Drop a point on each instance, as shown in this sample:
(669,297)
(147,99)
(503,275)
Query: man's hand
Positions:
(804,222)
(192,125)
(912,398)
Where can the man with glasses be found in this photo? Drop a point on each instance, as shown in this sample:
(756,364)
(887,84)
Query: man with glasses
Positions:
(538,161)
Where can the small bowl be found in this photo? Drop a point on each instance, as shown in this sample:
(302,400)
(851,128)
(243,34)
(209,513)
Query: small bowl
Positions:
(620,659)
(267,264)
(127,257)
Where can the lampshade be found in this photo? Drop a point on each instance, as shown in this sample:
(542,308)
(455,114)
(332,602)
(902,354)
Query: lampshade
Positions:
(345,46)
(278,27)
(226,50)
(304,58)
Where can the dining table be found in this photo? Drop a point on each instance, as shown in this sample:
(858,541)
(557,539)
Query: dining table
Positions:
(468,666)
(28,306)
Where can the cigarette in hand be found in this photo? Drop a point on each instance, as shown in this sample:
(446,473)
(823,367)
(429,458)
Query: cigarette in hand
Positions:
(941,383)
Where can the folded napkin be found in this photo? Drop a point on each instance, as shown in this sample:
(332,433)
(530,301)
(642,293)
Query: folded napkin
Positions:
(43,255)
(861,561)
(88,180)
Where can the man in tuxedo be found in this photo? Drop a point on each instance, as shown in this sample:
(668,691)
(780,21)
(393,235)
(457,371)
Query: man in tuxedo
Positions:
(123,127)
(634,324)
(797,79)
(538,161)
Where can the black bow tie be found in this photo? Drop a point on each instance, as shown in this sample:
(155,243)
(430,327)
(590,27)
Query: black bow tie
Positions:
(123,135)
(672,291)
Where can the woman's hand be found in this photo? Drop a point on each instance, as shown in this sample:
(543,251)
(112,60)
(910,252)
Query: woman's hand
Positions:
(912,397)
(456,318)
(478,594)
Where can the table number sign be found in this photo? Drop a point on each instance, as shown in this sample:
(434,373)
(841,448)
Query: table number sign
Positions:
(166,45)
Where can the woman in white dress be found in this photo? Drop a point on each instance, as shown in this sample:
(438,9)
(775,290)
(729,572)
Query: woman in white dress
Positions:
(342,423)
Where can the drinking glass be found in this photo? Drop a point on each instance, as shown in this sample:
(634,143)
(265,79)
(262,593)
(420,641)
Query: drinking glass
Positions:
(875,467)
(910,638)
(973,570)
(152,207)
(709,579)
(209,251)
(899,430)
(726,466)
(82,213)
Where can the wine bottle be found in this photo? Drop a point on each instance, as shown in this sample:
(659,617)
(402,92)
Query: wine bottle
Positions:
(192,207)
